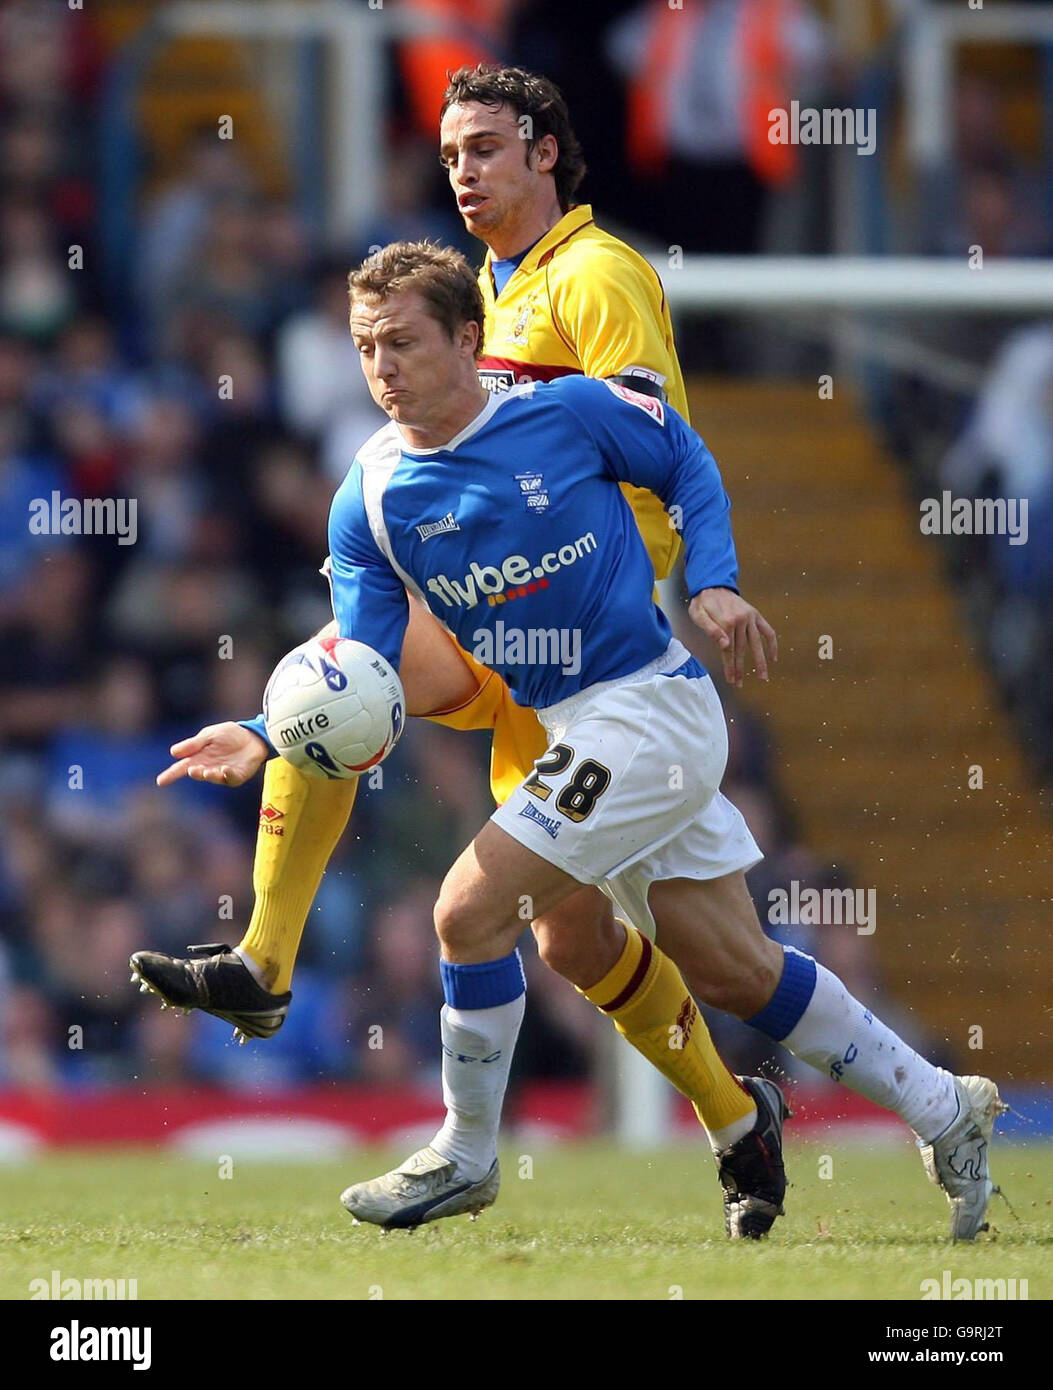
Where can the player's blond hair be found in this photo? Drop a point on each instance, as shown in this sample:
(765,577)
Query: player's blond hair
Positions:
(439,274)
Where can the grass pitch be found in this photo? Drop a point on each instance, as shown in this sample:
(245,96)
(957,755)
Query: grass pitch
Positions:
(591,1223)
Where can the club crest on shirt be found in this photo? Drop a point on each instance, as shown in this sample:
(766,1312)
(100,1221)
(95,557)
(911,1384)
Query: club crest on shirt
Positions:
(521,327)
(533,492)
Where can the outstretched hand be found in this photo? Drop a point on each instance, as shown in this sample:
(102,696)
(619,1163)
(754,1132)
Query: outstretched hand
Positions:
(735,625)
(227,754)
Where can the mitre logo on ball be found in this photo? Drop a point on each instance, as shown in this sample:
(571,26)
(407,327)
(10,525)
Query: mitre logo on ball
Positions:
(334,707)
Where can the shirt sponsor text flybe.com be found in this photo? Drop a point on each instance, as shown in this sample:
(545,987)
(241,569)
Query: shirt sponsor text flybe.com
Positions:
(514,577)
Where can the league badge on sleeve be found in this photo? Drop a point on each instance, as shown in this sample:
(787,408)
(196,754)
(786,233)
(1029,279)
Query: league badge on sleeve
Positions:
(651,404)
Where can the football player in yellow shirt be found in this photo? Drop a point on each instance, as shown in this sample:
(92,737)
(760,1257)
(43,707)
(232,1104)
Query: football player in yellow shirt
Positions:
(561,296)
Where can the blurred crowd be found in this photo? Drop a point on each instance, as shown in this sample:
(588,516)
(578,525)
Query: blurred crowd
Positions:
(230,415)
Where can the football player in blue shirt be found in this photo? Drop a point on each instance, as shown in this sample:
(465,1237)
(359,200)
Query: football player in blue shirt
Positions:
(627,796)
(553,582)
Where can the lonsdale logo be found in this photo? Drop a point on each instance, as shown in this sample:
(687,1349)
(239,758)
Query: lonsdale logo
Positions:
(269,817)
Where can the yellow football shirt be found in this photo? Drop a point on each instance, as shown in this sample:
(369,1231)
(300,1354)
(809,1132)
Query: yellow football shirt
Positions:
(583,301)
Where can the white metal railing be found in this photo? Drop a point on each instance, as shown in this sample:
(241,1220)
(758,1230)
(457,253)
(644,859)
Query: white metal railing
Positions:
(911,283)
(841,289)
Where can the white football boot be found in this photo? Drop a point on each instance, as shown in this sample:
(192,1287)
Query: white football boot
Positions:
(957,1160)
(424,1188)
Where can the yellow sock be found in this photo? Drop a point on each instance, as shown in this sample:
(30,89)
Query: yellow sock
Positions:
(645,996)
(301,819)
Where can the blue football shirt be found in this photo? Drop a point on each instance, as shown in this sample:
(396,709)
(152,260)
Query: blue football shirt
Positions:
(517,528)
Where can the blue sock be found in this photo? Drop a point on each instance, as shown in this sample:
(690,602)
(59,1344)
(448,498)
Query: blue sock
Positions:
(793,993)
(484,985)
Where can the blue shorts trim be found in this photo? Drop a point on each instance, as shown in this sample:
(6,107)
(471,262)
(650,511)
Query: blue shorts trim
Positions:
(692,667)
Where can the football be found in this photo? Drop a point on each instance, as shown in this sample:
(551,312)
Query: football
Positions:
(334,707)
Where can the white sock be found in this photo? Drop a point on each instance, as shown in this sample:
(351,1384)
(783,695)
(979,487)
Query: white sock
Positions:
(731,1134)
(477,1047)
(250,965)
(840,1037)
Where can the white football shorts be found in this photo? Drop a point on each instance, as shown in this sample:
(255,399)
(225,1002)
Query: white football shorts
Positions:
(628,792)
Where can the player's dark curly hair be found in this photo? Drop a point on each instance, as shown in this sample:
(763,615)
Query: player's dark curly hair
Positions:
(527,94)
(439,274)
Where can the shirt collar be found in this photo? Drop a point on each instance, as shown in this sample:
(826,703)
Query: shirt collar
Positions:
(570,223)
(472,427)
